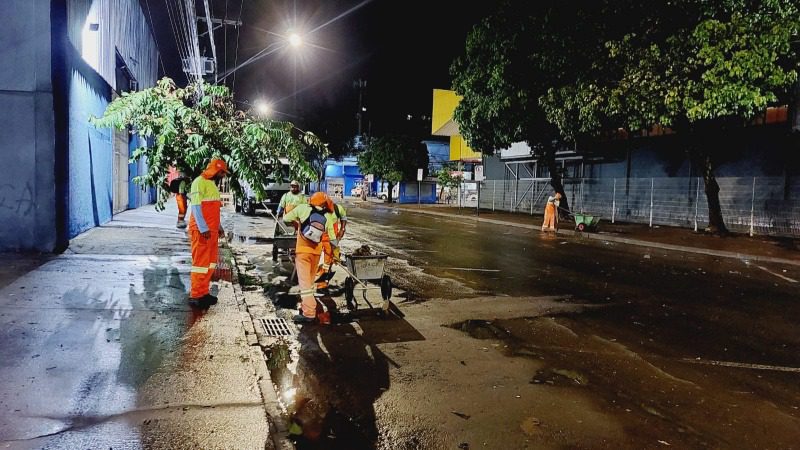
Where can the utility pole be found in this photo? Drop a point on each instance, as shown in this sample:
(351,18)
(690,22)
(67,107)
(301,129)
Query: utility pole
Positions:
(361,85)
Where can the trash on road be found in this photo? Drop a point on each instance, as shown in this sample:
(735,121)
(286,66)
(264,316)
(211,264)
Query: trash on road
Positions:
(462,415)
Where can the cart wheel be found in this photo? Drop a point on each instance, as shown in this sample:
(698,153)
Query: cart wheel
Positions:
(581,226)
(349,287)
(386,287)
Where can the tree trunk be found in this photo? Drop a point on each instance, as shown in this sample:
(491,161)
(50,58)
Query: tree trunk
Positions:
(389,193)
(716,224)
(556,182)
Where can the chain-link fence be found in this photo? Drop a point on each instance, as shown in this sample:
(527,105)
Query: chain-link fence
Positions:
(756,205)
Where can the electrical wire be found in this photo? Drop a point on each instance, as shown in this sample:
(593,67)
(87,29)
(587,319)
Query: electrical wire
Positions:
(155,38)
(236,57)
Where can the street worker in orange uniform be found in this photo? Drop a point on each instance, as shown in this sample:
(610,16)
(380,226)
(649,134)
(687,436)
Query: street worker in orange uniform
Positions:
(551,213)
(178,184)
(311,224)
(204,231)
(336,222)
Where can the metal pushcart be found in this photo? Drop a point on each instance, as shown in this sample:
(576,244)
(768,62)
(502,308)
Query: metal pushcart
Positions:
(283,239)
(362,270)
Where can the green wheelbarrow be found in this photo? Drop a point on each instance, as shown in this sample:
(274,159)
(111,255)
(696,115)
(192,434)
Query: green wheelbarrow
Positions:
(586,222)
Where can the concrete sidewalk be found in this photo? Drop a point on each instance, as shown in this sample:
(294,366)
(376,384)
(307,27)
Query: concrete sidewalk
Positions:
(757,249)
(100,349)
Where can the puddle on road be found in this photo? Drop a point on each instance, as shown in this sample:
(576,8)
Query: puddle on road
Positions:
(250,240)
(654,396)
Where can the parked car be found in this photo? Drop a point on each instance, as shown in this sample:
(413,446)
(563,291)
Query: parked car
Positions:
(356,191)
(383,194)
(472,197)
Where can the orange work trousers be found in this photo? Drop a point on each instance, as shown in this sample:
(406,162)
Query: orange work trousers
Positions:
(550,218)
(327,262)
(204,261)
(306,266)
(180,199)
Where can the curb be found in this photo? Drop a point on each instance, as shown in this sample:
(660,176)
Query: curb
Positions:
(637,242)
(279,433)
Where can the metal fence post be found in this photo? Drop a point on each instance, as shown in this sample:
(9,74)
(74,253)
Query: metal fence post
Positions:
(696,203)
(614,202)
(582,198)
(652,185)
(494,190)
(752,206)
(533,191)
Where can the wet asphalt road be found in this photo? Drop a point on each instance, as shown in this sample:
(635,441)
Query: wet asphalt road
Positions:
(619,346)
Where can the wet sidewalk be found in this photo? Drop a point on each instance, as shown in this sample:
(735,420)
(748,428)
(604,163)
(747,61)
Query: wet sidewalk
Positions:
(738,246)
(100,349)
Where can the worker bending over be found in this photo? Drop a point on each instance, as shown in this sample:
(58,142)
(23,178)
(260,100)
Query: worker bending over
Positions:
(310,221)
(551,213)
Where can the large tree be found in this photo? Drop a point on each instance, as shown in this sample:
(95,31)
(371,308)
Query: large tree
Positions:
(188,126)
(700,67)
(393,158)
(511,60)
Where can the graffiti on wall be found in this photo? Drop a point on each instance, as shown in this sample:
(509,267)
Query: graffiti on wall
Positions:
(17,201)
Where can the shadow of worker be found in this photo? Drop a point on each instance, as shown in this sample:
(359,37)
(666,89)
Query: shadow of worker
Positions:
(340,374)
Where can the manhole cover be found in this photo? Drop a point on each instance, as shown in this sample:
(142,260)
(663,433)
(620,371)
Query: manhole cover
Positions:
(276,327)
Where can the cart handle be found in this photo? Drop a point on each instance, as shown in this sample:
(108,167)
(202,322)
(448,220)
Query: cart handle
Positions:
(269,211)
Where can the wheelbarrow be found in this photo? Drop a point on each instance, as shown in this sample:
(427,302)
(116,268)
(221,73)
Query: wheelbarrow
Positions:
(283,239)
(361,271)
(586,222)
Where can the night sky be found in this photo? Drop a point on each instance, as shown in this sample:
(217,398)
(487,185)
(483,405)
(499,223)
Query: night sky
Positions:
(403,48)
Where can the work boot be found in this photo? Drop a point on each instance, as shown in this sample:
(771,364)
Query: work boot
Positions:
(197,303)
(299,318)
(181,224)
(211,299)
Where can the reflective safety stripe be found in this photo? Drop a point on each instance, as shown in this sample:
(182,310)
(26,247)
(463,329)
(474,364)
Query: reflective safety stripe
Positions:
(212,266)
(196,269)
(326,266)
(308,291)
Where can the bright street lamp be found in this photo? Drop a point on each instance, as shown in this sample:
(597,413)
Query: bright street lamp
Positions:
(263,108)
(295,40)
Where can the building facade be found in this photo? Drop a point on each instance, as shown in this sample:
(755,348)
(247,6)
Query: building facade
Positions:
(64,61)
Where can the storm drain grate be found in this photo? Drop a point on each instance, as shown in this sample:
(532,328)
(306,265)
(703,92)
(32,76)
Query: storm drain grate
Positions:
(276,327)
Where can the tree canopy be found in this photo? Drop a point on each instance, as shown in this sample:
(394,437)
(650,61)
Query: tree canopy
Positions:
(189,126)
(554,74)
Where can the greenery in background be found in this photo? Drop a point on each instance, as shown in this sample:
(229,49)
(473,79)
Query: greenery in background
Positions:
(556,76)
(393,158)
(446,180)
(189,126)
(700,67)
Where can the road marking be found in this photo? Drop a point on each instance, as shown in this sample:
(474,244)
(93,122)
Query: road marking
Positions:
(710,362)
(469,269)
(790,280)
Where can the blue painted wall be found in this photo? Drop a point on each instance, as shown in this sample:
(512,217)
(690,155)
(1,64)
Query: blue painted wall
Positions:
(408,192)
(90,152)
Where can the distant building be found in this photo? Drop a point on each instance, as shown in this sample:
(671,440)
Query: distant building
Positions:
(63,61)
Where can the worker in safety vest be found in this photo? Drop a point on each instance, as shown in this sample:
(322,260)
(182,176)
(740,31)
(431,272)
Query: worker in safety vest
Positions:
(204,231)
(310,221)
(291,199)
(551,213)
(336,224)
(178,184)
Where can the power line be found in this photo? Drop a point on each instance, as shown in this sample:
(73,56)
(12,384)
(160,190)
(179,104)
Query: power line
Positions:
(236,58)
(155,38)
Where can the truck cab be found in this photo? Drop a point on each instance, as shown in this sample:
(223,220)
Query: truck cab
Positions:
(250,201)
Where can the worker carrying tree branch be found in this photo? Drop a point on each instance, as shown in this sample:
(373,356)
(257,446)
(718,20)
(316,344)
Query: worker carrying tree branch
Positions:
(204,231)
